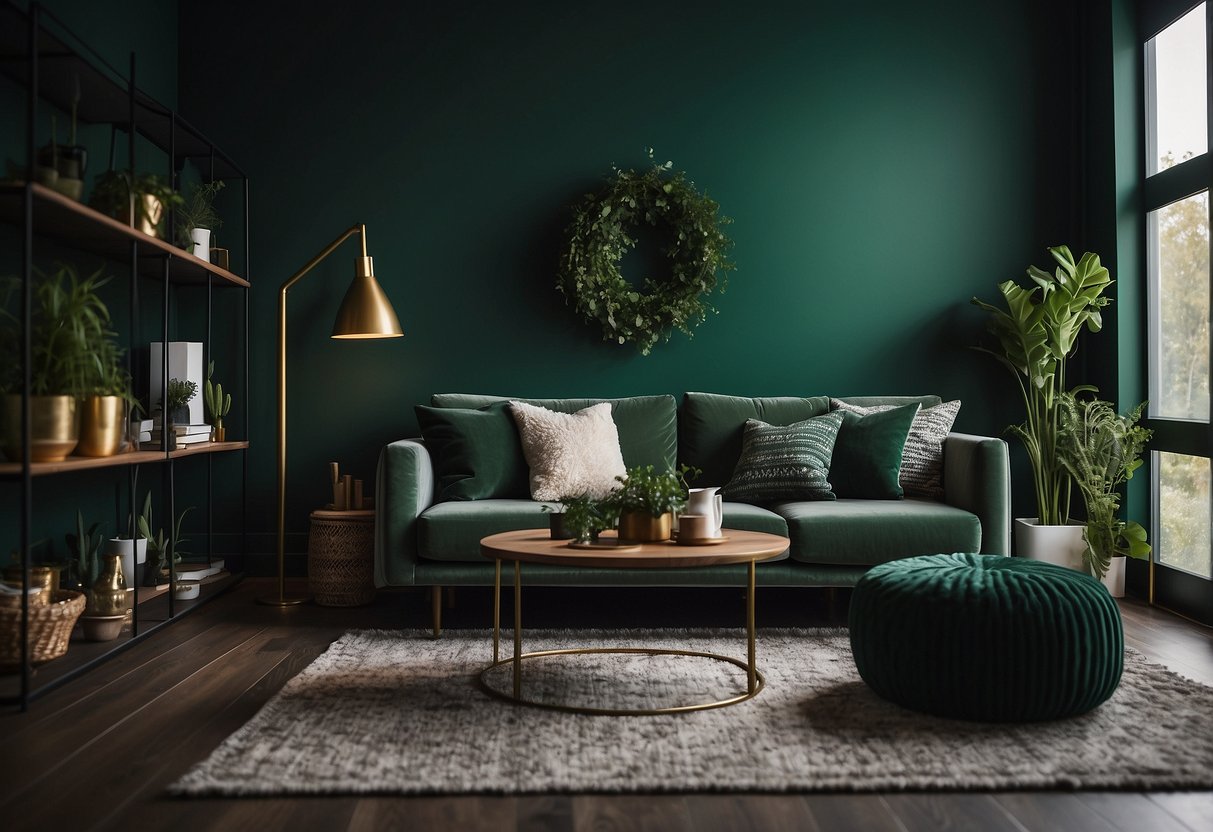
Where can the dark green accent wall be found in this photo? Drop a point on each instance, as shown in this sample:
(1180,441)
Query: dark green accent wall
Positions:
(882,166)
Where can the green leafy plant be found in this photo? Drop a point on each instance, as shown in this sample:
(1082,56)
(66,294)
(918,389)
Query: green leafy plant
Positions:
(84,565)
(198,211)
(644,490)
(216,402)
(601,233)
(161,550)
(70,326)
(180,393)
(586,517)
(1036,335)
(1100,450)
(112,192)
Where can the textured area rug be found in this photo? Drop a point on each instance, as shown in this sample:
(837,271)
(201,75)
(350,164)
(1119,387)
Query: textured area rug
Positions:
(397,712)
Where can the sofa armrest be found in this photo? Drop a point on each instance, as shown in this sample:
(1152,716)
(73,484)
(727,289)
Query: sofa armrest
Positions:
(404,488)
(977,478)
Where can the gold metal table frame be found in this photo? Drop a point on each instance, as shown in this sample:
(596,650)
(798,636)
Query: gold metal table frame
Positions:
(755,681)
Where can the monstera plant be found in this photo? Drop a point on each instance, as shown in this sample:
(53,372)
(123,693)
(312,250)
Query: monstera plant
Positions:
(1037,333)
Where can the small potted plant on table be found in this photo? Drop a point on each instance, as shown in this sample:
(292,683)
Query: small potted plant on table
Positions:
(173,409)
(646,502)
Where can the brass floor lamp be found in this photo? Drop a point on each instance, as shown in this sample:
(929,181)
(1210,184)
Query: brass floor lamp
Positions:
(365,313)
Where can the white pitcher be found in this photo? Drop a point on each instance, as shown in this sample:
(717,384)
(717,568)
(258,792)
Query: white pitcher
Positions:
(707,502)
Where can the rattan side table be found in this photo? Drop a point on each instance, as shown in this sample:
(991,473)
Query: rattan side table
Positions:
(341,558)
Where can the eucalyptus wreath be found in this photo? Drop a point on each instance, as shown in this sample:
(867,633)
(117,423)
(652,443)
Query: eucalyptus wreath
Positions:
(600,235)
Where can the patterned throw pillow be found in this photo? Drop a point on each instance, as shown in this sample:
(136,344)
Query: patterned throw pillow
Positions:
(569,454)
(922,460)
(785,462)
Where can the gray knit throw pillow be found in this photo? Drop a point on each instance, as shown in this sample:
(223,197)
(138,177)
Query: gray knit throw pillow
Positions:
(785,462)
(921,472)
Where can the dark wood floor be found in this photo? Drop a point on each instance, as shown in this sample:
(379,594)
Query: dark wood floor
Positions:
(99,752)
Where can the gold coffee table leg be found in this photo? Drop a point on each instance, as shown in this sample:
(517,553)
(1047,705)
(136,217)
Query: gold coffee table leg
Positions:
(496,609)
(749,619)
(517,629)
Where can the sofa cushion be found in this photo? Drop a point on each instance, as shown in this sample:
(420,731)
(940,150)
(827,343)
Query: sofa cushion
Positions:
(570,454)
(922,460)
(867,455)
(711,427)
(868,532)
(476,453)
(452,530)
(751,518)
(647,425)
(785,462)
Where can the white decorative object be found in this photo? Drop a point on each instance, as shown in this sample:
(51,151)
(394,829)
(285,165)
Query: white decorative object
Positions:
(1062,545)
(133,552)
(201,238)
(184,364)
(1115,579)
(707,502)
(186,590)
(570,454)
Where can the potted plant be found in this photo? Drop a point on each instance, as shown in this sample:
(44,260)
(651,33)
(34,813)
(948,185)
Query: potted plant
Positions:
(196,219)
(1037,333)
(161,551)
(582,519)
(107,402)
(646,502)
(217,404)
(84,565)
(116,191)
(68,322)
(1101,449)
(173,410)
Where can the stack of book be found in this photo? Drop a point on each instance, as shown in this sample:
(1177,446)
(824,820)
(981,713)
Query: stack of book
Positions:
(144,428)
(186,434)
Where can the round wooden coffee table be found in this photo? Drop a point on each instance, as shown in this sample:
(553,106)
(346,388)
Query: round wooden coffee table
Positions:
(537,546)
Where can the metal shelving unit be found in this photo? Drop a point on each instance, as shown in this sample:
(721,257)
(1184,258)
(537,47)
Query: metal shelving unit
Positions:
(31,40)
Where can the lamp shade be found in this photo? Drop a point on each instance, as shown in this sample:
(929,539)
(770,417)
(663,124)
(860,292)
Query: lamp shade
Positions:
(365,311)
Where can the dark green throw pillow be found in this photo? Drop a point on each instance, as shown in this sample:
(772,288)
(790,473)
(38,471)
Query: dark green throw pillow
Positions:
(781,463)
(867,455)
(477,454)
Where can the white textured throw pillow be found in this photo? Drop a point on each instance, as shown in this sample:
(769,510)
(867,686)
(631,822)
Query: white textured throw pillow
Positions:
(569,454)
(922,460)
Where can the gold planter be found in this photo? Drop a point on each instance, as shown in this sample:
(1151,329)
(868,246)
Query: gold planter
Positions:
(644,528)
(54,427)
(102,425)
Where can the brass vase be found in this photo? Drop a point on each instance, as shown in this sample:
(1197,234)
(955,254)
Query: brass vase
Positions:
(54,427)
(102,425)
(150,213)
(641,527)
(108,595)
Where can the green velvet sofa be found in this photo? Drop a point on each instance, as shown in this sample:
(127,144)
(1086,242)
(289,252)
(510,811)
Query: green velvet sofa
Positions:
(422,542)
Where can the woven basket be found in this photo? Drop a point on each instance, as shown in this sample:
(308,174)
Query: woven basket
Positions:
(341,561)
(50,628)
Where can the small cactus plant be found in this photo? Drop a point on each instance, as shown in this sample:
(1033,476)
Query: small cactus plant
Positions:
(216,401)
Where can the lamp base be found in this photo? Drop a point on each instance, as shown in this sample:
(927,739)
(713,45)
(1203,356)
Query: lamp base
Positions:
(280,601)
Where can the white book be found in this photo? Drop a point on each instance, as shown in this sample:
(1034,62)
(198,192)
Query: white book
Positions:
(198,571)
(193,439)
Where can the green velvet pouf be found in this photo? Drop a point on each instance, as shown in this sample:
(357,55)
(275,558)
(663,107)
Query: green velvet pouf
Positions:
(985,637)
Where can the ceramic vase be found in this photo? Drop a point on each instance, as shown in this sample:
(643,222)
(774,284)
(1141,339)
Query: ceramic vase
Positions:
(1062,545)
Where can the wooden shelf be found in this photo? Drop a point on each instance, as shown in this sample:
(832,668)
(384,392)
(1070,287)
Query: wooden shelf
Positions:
(80,463)
(62,218)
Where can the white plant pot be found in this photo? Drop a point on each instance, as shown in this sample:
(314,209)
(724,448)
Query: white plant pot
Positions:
(131,555)
(1062,545)
(202,243)
(1115,579)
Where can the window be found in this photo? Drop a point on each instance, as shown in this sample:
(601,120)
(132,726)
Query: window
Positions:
(1176,196)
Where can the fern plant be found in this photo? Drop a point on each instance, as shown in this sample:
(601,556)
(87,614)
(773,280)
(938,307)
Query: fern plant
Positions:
(1100,450)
